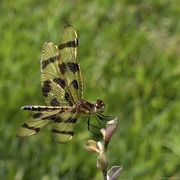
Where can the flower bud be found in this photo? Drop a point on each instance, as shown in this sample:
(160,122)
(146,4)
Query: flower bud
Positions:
(94,146)
(114,172)
(91,146)
(102,162)
(111,127)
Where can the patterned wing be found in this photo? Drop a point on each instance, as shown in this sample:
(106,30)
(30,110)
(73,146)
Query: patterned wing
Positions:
(54,86)
(69,65)
(63,126)
(60,72)
(36,122)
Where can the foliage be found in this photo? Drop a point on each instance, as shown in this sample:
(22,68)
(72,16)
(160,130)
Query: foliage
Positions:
(129,55)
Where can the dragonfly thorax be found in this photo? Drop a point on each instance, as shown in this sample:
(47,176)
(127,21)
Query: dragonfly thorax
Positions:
(86,107)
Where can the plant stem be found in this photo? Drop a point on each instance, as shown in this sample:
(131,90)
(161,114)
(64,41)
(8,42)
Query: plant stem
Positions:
(104,175)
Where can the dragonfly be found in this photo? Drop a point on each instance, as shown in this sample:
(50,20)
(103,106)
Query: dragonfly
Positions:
(62,88)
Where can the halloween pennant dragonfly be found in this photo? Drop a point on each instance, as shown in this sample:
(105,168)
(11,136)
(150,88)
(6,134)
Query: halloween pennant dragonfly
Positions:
(62,87)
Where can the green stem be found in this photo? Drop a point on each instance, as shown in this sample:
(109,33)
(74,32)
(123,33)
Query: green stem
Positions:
(104,175)
(106,145)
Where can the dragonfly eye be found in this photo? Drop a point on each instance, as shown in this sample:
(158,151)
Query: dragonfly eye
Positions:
(99,106)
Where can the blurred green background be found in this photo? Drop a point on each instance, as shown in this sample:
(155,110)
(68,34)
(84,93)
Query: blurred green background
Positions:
(129,53)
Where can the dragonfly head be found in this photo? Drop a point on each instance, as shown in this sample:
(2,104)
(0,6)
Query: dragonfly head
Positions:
(99,106)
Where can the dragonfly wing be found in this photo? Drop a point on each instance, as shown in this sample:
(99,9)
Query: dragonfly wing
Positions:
(63,126)
(61,76)
(36,122)
(69,65)
(54,86)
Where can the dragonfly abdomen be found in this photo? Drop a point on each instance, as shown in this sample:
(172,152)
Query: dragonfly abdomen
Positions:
(42,108)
